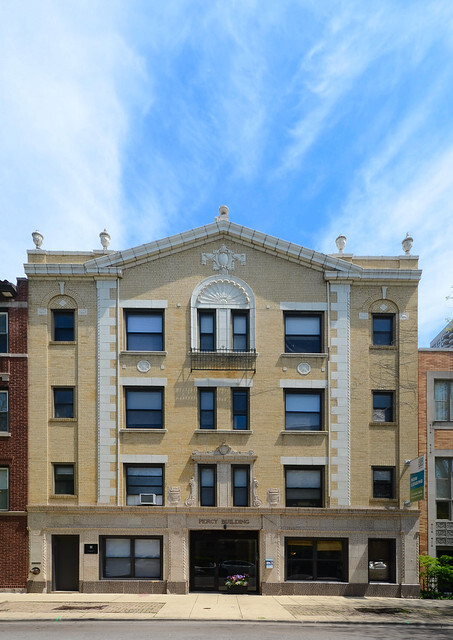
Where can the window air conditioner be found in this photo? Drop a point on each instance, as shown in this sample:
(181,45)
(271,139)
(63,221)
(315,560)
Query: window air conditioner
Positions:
(148,498)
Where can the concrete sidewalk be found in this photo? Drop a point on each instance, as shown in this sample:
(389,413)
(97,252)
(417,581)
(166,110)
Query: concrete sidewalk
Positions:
(214,606)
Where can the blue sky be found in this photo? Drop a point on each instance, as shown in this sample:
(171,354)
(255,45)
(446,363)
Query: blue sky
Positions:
(307,118)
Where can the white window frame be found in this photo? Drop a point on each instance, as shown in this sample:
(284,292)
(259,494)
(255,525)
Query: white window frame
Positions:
(6,470)
(6,332)
(4,392)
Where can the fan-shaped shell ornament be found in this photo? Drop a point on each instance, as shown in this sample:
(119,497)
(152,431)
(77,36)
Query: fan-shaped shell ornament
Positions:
(223,292)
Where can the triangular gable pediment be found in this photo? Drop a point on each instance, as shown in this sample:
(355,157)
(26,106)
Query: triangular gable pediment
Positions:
(223,230)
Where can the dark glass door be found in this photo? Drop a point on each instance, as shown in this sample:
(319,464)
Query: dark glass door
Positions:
(215,555)
(65,563)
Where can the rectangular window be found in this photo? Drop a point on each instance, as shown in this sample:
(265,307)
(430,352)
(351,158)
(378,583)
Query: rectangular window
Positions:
(63,326)
(383,406)
(381,560)
(208,481)
(63,402)
(302,333)
(323,559)
(240,409)
(145,484)
(304,486)
(4,415)
(4,488)
(63,479)
(3,332)
(443,400)
(240,322)
(137,557)
(206,321)
(144,408)
(383,482)
(144,330)
(303,410)
(383,329)
(207,404)
(444,488)
(241,485)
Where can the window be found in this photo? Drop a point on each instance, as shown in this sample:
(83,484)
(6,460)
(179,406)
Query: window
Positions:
(304,486)
(63,402)
(207,404)
(302,333)
(444,488)
(4,422)
(132,558)
(240,323)
(63,479)
(240,409)
(316,559)
(443,400)
(206,323)
(383,406)
(146,480)
(3,332)
(241,484)
(383,482)
(144,408)
(4,488)
(383,329)
(208,481)
(303,410)
(144,330)
(381,560)
(63,326)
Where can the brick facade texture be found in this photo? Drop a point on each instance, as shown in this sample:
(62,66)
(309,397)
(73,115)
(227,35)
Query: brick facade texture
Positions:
(14,448)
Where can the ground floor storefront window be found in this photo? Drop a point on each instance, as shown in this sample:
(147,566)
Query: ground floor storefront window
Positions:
(381,560)
(132,557)
(320,559)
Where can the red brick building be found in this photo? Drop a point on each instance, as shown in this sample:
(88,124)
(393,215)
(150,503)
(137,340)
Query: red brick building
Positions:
(435,429)
(13,435)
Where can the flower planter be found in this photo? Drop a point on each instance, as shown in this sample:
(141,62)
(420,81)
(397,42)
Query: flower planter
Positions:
(238,589)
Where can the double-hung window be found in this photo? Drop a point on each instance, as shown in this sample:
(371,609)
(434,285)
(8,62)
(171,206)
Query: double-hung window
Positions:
(383,410)
(241,485)
(303,333)
(63,325)
(240,409)
(207,408)
(444,488)
(207,476)
(383,482)
(240,321)
(303,410)
(4,488)
(3,332)
(145,484)
(383,329)
(4,415)
(304,486)
(144,330)
(135,557)
(443,400)
(63,479)
(144,408)
(63,402)
(207,328)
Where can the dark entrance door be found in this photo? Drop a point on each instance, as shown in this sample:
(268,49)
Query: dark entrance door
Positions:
(65,563)
(215,555)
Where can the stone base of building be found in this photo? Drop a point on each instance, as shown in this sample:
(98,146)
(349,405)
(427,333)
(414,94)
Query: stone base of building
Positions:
(350,589)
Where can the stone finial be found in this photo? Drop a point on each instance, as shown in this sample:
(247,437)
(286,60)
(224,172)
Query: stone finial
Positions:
(105,239)
(223,214)
(341,243)
(407,244)
(37,238)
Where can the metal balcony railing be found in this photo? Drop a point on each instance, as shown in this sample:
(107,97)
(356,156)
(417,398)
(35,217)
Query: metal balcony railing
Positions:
(223,360)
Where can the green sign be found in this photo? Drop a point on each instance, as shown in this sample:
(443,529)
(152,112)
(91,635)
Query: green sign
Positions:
(417,484)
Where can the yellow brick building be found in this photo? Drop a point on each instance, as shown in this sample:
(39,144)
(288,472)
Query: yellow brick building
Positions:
(222,402)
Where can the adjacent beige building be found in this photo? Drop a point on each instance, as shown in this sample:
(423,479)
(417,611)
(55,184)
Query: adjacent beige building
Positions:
(222,402)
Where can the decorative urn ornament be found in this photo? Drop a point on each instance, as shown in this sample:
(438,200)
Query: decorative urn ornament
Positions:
(407,244)
(341,243)
(37,238)
(105,239)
